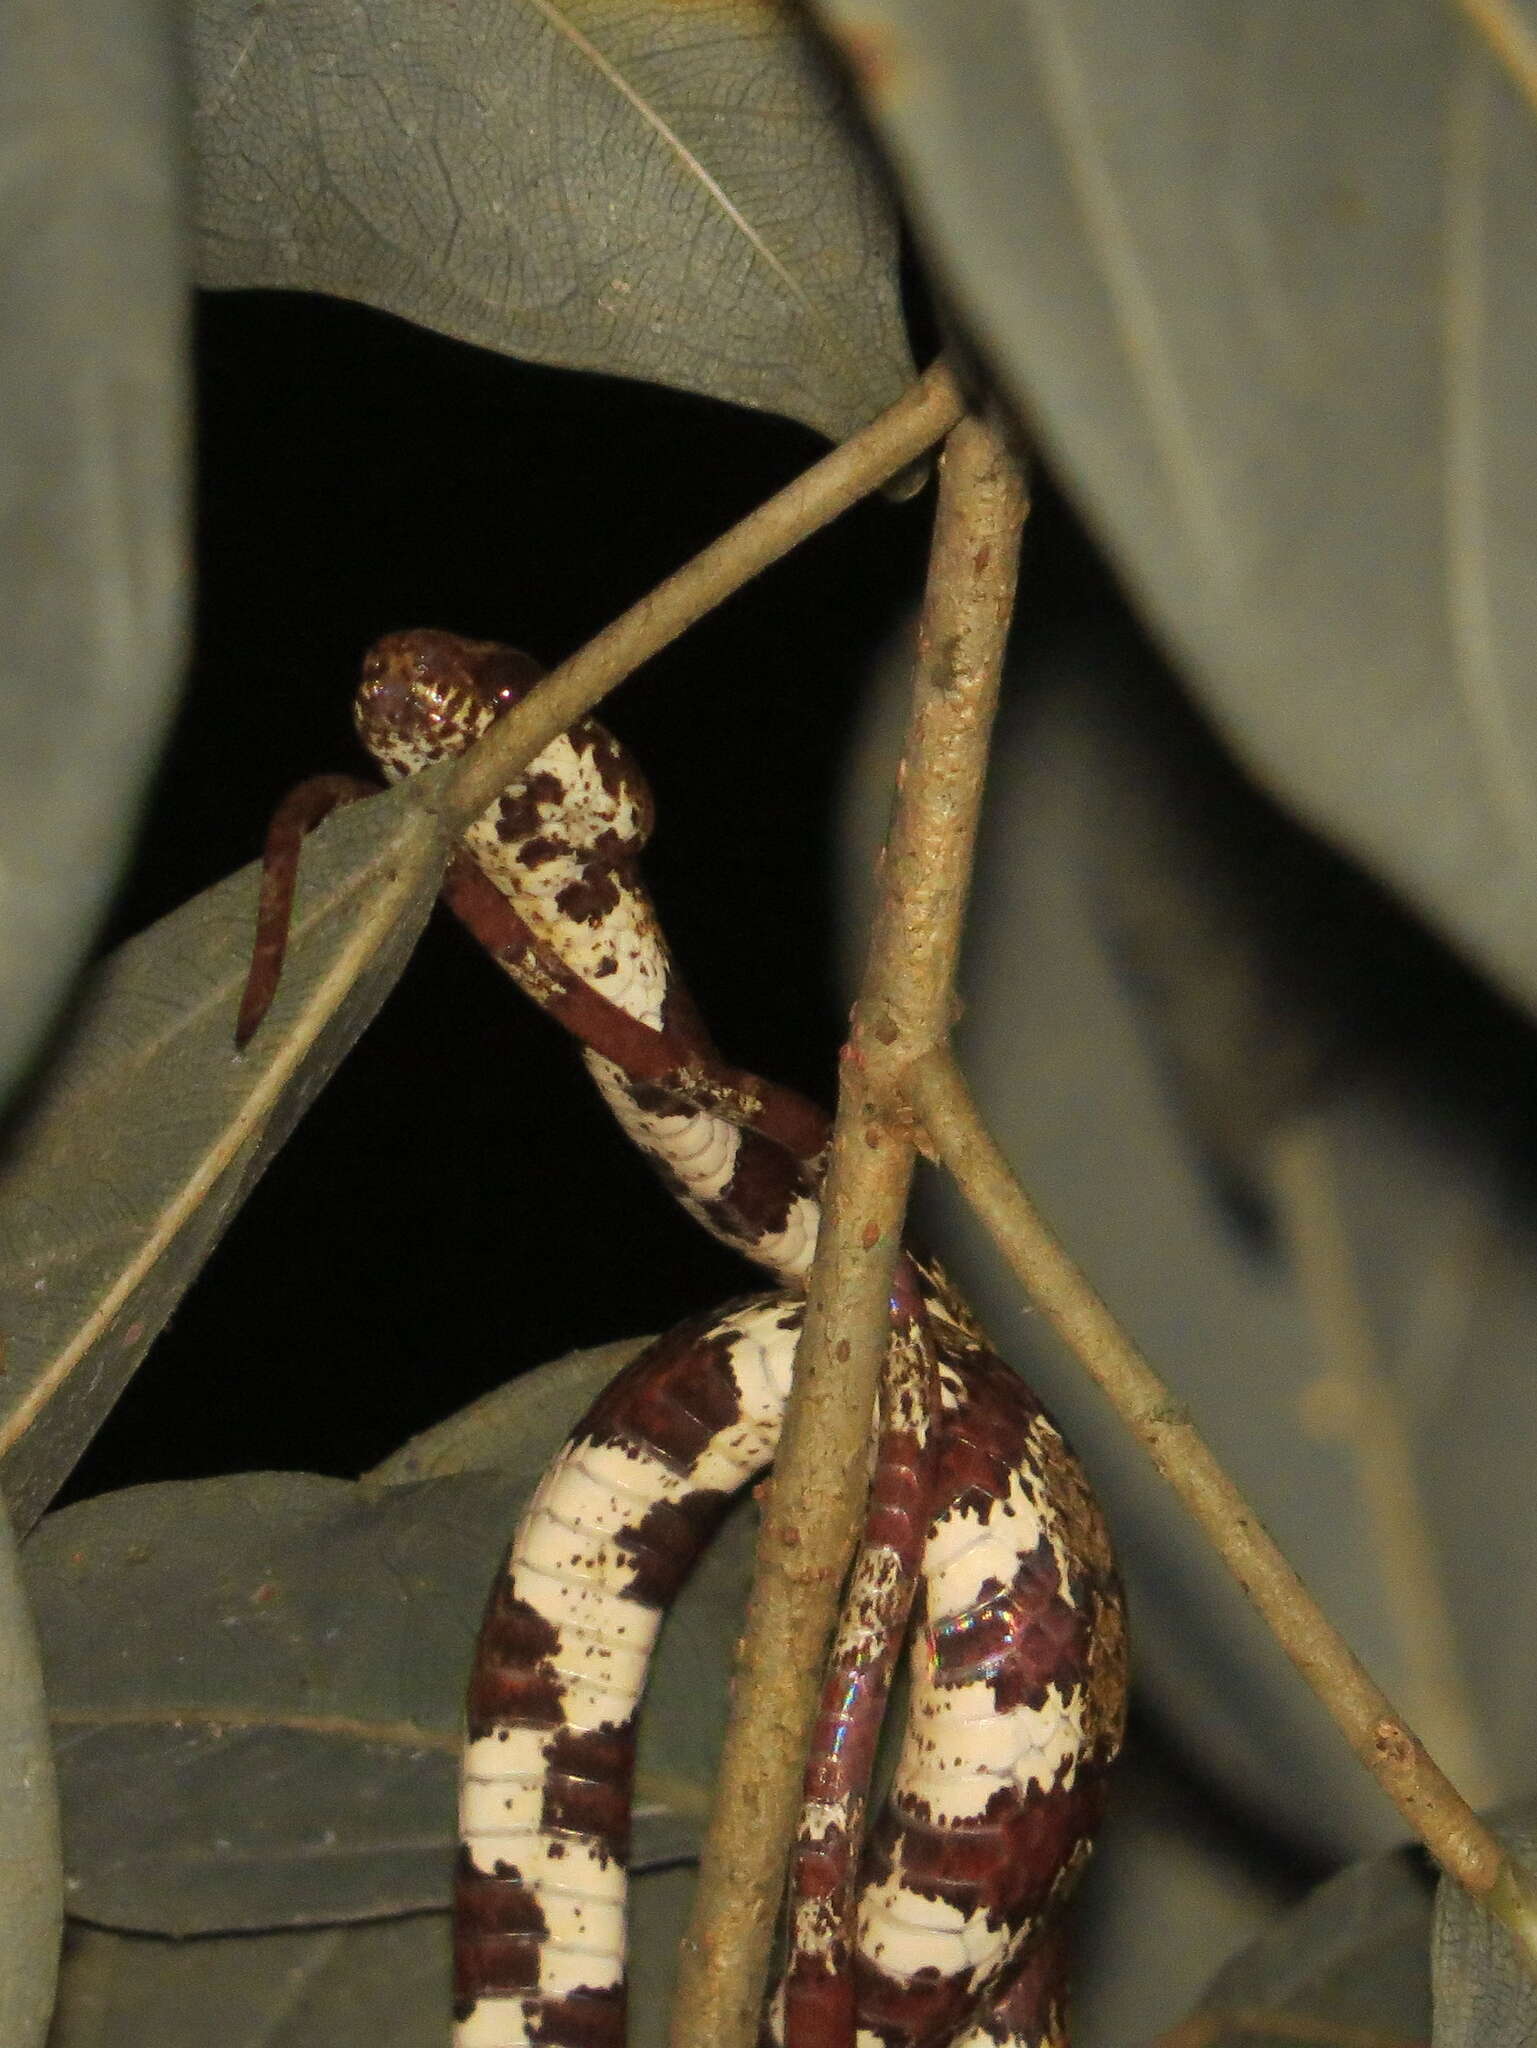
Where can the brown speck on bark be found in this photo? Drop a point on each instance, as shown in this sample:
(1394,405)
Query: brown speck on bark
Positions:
(1392,1742)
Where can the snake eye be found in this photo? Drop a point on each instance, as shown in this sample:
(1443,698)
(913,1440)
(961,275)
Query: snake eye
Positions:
(384,697)
(503,676)
(418,700)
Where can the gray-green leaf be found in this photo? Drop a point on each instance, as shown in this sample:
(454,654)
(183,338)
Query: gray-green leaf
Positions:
(1483,1992)
(1263,277)
(666,192)
(515,1430)
(1360,1446)
(92,548)
(1347,1966)
(384,1984)
(256,1684)
(151,1130)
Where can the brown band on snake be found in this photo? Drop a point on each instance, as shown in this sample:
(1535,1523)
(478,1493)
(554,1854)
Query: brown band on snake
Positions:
(1043,1639)
(558,900)
(1030,2005)
(426,696)
(558,1671)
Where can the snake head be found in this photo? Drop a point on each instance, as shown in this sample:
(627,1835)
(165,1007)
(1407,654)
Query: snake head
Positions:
(427,695)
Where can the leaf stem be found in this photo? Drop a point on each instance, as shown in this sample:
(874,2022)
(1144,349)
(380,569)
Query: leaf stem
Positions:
(922,416)
(1381,1739)
(1362,1412)
(814,1505)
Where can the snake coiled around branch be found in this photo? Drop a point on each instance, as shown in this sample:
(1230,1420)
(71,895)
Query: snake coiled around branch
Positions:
(981,1532)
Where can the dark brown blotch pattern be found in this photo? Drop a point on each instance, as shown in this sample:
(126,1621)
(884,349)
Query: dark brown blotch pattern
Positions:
(665,1544)
(520,814)
(766,1182)
(1027,1641)
(513,1681)
(588,2018)
(673,1399)
(588,1778)
(591,897)
(499,1934)
(437,692)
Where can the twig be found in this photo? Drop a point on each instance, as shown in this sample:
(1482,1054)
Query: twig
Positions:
(814,1506)
(1382,1740)
(858,466)
(1353,1401)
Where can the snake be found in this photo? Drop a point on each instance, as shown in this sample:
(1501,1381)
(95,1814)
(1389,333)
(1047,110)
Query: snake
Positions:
(940,1925)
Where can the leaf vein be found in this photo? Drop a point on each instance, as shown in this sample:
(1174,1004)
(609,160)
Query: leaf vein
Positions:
(562,24)
(1495,726)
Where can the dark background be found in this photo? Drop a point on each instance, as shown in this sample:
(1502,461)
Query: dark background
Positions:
(457,1206)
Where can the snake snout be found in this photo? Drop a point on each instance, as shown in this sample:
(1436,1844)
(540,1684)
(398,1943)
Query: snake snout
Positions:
(428,694)
(418,701)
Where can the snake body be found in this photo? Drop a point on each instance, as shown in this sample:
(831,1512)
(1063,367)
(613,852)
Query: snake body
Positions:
(1017,1662)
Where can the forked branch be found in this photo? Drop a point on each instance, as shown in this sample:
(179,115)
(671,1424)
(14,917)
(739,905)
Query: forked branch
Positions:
(854,469)
(817,1495)
(891,443)
(896,1063)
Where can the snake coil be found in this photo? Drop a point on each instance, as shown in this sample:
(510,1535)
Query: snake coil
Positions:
(981,1533)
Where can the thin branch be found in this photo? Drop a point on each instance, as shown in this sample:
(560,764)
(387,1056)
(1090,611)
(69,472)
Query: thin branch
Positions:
(856,467)
(1381,1739)
(1355,1403)
(814,1506)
